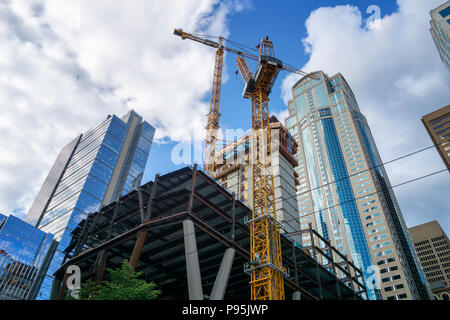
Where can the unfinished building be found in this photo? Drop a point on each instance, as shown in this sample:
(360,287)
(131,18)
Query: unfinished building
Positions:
(233,171)
(186,233)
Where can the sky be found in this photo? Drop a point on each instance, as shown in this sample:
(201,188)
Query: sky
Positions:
(64,66)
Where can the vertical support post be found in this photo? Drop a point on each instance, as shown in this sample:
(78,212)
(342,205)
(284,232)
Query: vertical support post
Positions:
(349,273)
(137,250)
(82,236)
(56,287)
(116,210)
(192,263)
(365,287)
(296,295)
(294,258)
(141,206)
(191,195)
(333,265)
(86,234)
(220,285)
(317,264)
(63,290)
(148,215)
(233,218)
(100,266)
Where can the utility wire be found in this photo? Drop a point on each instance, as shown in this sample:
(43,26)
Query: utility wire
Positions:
(373,193)
(358,173)
(368,169)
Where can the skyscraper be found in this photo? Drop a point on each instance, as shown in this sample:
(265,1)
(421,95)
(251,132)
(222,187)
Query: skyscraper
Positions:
(91,171)
(433,248)
(437,124)
(344,192)
(25,252)
(440,31)
(2,217)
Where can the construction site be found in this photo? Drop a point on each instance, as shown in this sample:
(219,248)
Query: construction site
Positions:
(188,234)
(229,231)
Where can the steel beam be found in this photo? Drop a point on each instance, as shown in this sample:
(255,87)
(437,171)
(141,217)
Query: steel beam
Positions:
(148,214)
(137,250)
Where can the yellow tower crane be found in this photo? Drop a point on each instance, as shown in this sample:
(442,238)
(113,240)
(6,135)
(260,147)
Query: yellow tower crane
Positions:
(266,268)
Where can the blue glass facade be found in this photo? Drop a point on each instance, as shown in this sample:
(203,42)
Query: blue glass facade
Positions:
(103,163)
(23,250)
(343,191)
(137,160)
(353,227)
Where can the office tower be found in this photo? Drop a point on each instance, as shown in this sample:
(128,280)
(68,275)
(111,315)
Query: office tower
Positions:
(2,217)
(437,124)
(25,252)
(344,192)
(232,170)
(440,31)
(433,248)
(93,170)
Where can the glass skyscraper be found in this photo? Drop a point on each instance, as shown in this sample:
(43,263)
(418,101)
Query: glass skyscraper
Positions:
(344,192)
(440,31)
(93,170)
(24,255)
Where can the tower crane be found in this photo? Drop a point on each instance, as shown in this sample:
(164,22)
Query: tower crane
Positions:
(265,268)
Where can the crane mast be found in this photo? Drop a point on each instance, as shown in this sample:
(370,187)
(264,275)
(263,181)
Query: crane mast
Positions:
(265,268)
(212,126)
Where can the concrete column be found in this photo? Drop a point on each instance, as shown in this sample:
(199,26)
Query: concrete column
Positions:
(220,285)
(296,295)
(192,264)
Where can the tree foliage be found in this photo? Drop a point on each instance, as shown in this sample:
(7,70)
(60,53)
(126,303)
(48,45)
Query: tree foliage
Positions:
(124,284)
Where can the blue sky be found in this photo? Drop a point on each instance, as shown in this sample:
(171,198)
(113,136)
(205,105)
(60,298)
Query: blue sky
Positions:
(285,25)
(65,66)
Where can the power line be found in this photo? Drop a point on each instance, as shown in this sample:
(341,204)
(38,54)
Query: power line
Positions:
(360,172)
(368,169)
(373,193)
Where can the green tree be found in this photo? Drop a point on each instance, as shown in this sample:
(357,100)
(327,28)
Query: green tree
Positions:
(123,285)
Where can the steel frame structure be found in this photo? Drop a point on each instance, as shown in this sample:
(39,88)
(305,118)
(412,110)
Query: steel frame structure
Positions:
(145,227)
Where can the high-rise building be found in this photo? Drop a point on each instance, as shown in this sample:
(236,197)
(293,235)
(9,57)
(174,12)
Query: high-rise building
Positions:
(25,252)
(344,192)
(233,171)
(93,170)
(440,31)
(437,124)
(433,248)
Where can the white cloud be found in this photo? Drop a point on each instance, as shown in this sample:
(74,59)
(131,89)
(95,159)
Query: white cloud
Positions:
(64,67)
(282,115)
(397,77)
